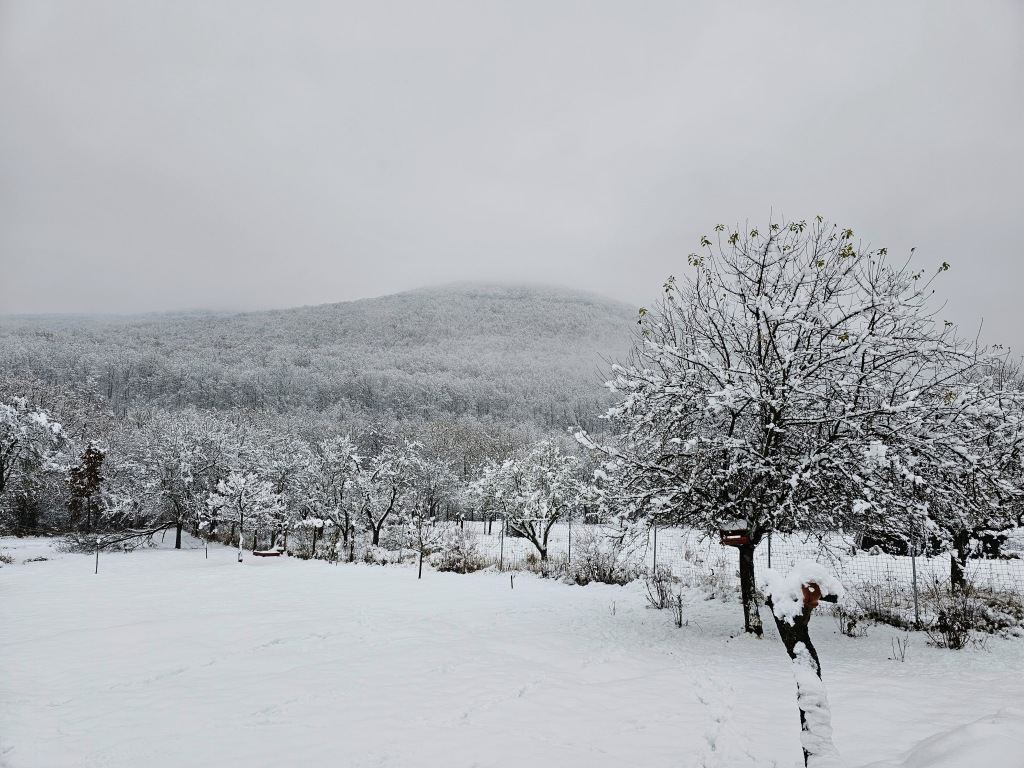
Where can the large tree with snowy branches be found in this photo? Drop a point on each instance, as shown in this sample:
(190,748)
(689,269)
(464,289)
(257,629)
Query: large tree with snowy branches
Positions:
(797,380)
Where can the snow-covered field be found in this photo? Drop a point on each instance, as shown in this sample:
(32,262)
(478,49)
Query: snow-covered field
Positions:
(166,658)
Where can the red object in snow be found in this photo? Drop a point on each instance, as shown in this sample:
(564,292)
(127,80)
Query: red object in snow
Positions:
(735,537)
(811,594)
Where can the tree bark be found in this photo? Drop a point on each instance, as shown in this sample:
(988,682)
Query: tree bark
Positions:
(798,632)
(748,591)
(177,535)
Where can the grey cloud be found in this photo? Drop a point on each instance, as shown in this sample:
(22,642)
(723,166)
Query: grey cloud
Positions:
(255,154)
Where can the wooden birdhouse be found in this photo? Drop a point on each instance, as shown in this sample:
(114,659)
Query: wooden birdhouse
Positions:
(734,537)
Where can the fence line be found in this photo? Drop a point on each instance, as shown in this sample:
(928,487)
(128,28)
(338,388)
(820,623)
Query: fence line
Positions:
(897,586)
(695,558)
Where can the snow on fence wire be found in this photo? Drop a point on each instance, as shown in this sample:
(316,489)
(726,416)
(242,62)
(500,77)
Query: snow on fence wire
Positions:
(880,581)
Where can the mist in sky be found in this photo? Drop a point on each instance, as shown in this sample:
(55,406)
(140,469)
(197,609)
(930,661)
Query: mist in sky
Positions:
(245,155)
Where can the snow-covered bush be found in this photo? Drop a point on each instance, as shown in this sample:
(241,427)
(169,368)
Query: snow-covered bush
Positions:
(546,569)
(605,559)
(459,553)
(957,615)
(376,555)
(1003,611)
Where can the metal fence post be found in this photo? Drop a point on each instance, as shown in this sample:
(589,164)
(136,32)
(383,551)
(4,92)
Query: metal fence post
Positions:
(913,571)
(501,551)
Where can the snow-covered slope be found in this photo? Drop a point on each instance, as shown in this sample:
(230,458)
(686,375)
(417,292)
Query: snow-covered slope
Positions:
(522,353)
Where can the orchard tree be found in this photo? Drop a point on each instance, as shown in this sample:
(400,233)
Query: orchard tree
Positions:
(245,500)
(181,456)
(532,492)
(433,490)
(968,453)
(29,442)
(287,463)
(385,484)
(333,492)
(796,380)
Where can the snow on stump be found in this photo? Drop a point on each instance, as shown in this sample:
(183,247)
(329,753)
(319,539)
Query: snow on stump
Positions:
(793,598)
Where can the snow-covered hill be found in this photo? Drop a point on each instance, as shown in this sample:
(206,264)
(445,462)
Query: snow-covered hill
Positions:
(517,353)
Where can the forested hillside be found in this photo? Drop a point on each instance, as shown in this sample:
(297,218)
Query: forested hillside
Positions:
(521,354)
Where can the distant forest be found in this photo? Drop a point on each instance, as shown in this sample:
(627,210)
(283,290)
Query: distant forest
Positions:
(525,355)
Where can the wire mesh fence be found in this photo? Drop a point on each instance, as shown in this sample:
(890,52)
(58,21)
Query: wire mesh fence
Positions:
(895,585)
(897,589)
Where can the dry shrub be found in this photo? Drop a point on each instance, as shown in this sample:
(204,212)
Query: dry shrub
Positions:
(660,584)
(889,602)
(959,615)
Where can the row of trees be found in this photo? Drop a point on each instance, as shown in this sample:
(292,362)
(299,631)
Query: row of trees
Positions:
(236,477)
(797,381)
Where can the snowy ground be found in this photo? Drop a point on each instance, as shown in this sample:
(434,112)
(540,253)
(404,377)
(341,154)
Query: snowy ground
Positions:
(170,659)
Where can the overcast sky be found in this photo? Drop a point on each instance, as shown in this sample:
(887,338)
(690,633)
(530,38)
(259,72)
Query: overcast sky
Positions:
(242,155)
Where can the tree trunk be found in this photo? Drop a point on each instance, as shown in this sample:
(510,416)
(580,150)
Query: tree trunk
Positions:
(815,716)
(748,591)
(177,535)
(798,632)
(958,560)
(420,575)
(375,539)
